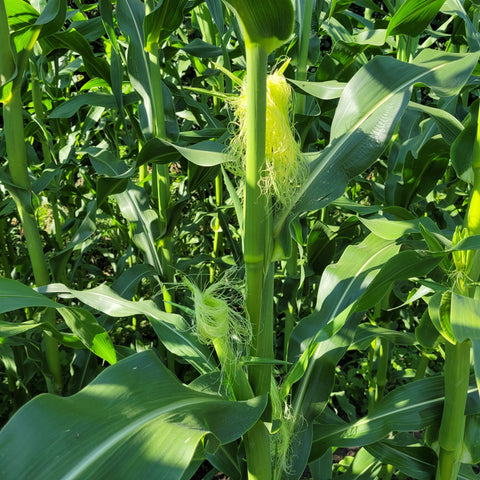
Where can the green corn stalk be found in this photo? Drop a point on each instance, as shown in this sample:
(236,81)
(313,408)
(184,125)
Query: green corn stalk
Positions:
(21,189)
(161,175)
(457,356)
(161,181)
(266,25)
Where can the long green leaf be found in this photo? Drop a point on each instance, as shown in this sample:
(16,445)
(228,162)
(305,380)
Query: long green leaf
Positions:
(419,462)
(368,111)
(135,420)
(407,408)
(205,154)
(363,467)
(316,344)
(70,107)
(341,285)
(172,329)
(324,90)
(449,126)
(415,461)
(456,8)
(406,264)
(465,324)
(15,295)
(76,42)
(86,327)
(413,17)
(465,318)
(461,151)
(366,333)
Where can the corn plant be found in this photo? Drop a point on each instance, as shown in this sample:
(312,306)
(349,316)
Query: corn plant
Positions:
(334,145)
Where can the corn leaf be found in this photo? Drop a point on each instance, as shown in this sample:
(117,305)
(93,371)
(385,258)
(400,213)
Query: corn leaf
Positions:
(465,318)
(409,407)
(368,111)
(72,106)
(455,7)
(27,26)
(14,295)
(204,154)
(316,345)
(402,266)
(341,285)
(86,327)
(366,333)
(324,90)
(131,17)
(76,42)
(418,462)
(136,406)
(449,126)
(162,21)
(7,58)
(364,467)
(172,329)
(52,17)
(461,150)
(413,17)
(216,10)
(134,205)
(465,324)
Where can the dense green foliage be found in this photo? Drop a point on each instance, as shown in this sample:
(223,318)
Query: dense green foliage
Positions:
(183,303)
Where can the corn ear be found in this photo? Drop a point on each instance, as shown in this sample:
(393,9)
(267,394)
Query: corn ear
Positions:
(285,168)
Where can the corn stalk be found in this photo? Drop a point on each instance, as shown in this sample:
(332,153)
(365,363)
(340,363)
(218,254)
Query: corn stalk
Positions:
(457,355)
(11,73)
(266,25)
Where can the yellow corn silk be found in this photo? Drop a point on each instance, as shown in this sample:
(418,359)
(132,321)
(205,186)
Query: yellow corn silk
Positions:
(285,166)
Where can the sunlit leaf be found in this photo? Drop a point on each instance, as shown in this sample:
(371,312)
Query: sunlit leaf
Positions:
(413,17)
(368,111)
(136,405)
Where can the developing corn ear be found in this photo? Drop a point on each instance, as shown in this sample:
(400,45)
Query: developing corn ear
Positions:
(285,166)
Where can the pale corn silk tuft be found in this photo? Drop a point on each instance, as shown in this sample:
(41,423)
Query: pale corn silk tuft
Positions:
(221,321)
(285,166)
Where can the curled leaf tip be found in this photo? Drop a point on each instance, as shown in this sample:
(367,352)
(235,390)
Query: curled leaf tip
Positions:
(268,23)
